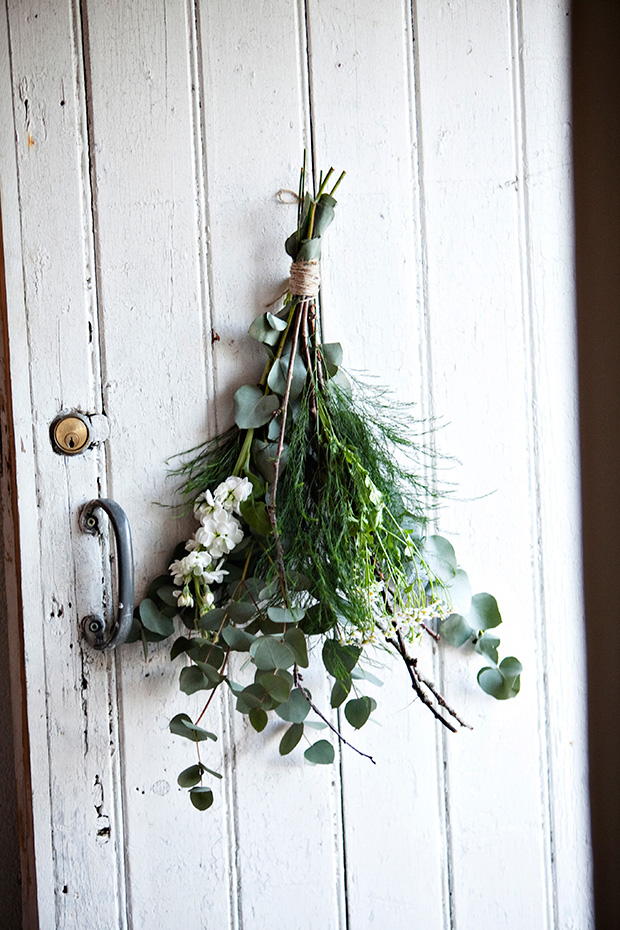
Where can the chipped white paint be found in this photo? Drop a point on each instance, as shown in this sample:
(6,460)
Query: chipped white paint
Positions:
(138,187)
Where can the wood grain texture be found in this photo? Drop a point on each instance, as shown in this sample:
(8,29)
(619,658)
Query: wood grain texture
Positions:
(256,125)
(154,385)
(75,790)
(547,207)
(498,825)
(150,140)
(364,123)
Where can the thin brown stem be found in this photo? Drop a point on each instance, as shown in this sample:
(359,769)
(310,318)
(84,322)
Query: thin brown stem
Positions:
(204,709)
(430,632)
(306,352)
(306,694)
(417,678)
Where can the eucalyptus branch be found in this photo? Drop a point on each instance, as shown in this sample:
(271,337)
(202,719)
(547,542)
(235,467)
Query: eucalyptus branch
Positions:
(306,694)
(271,508)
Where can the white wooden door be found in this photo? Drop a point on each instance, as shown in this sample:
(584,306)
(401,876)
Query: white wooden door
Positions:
(143,146)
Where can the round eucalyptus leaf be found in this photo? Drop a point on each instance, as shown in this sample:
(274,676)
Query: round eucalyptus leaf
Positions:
(342,382)
(459,593)
(241,611)
(192,679)
(319,619)
(258,719)
(263,331)
(253,408)
(332,355)
(165,594)
(290,615)
(455,630)
(201,798)
(484,613)
(440,557)
(340,692)
(180,646)
(191,776)
(251,697)
(153,619)
(510,667)
(207,653)
(269,652)
(320,753)
(161,581)
(363,674)
(323,214)
(340,658)
(181,725)
(291,738)
(297,641)
(309,250)
(279,374)
(212,675)
(499,685)
(358,710)
(296,709)
(238,640)
(487,646)
(275,685)
(276,322)
(211,621)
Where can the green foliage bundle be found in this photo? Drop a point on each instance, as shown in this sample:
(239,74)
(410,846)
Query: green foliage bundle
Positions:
(311,530)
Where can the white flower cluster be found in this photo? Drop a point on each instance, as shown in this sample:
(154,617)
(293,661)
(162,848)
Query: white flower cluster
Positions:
(218,534)
(408,620)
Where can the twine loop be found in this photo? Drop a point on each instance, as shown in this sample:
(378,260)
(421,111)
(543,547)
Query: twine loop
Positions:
(305,279)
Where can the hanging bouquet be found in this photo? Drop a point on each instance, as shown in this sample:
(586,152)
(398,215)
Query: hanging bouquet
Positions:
(311,529)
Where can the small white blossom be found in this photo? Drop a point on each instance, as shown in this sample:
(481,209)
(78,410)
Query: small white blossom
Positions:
(186,568)
(214,575)
(232,492)
(184,598)
(220,533)
(208,600)
(204,505)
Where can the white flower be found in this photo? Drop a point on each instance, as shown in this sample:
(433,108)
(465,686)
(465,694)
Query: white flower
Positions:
(220,533)
(184,598)
(214,575)
(232,492)
(208,600)
(204,505)
(193,565)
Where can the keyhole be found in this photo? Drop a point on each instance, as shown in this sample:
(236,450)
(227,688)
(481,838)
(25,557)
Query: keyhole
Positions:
(72,440)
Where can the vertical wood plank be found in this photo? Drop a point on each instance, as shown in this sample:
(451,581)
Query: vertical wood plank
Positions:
(74,789)
(155,328)
(364,121)
(497,802)
(255,128)
(19,503)
(543,34)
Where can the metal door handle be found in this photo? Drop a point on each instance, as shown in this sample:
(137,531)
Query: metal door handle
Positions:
(94,627)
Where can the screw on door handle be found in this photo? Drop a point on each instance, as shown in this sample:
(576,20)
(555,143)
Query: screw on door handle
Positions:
(95,631)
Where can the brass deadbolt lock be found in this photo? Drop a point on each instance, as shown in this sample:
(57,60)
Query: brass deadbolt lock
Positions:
(70,433)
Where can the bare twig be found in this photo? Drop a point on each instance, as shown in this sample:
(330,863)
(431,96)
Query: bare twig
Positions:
(417,678)
(306,694)
(306,351)
(430,632)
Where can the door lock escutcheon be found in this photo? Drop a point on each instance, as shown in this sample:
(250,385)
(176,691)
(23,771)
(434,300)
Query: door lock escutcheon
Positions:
(74,432)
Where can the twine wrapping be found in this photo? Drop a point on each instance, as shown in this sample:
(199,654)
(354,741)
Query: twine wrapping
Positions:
(305,279)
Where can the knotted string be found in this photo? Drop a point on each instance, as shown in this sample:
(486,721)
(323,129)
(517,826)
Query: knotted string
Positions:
(305,279)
